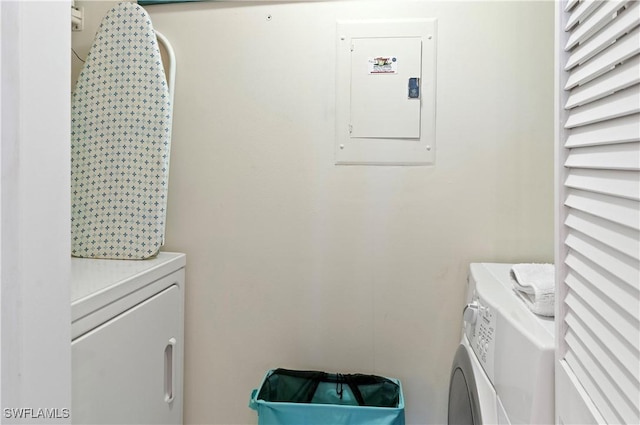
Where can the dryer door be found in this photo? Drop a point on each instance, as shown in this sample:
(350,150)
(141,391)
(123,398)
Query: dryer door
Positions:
(464,408)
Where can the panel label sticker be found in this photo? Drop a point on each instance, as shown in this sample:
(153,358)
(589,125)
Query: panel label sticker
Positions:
(382,65)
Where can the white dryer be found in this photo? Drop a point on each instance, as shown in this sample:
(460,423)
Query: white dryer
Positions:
(503,370)
(127,340)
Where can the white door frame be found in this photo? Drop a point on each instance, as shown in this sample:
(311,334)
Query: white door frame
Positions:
(35,79)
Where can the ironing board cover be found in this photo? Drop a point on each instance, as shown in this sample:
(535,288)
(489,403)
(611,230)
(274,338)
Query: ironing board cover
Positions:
(120,141)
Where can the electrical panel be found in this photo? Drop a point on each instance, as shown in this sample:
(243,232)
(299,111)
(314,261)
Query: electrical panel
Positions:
(385,92)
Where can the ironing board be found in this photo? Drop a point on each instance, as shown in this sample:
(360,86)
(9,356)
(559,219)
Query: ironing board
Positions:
(120,141)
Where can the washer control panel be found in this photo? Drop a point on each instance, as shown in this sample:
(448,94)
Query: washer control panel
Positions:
(480,328)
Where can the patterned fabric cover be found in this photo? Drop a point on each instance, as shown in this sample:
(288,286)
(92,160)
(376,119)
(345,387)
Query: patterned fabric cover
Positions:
(120,140)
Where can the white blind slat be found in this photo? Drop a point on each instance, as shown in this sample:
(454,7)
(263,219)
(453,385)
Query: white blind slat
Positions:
(619,130)
(593,23)
(625,325)
(622,239)
(625,102)
(624,156)
(622,295)
(570,4)
(604,406)
(621,50)
(621,77)
(629,19)
(621,266)
(610,389)
(624,184)
(617,210)
(622,352)
(626,382)
(585,9)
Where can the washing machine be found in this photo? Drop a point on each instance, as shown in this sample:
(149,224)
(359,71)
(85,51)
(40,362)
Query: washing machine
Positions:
(503,369)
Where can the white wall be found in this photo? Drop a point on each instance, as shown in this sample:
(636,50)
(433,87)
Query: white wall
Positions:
(295,262)
(35,220)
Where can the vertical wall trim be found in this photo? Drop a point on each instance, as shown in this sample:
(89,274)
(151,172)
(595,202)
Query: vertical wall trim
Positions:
(35,350)
(9,242)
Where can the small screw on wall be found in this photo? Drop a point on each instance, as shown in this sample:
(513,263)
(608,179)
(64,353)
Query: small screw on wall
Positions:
(269,17)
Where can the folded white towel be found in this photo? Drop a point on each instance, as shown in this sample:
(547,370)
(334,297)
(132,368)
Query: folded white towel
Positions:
(535,284)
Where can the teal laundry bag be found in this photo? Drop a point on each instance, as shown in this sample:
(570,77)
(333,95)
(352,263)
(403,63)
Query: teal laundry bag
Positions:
(287,397)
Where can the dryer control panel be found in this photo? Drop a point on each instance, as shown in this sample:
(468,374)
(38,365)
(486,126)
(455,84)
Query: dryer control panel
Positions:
(480,328)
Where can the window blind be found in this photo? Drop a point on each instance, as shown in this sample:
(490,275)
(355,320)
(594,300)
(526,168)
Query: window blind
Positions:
(599,235)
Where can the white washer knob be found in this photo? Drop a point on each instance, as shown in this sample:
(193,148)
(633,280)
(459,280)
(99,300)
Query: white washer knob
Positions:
(470,312)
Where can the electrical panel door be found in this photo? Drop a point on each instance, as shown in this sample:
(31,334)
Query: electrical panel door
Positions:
(381,69)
